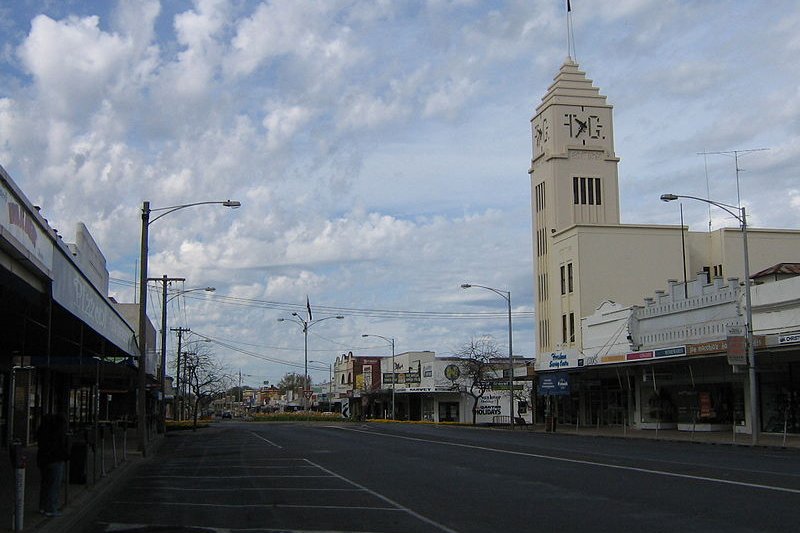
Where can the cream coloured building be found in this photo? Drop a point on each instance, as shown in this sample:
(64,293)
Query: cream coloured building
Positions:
(583,254)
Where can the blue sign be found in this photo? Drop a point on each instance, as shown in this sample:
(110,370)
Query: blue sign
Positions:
(556,384)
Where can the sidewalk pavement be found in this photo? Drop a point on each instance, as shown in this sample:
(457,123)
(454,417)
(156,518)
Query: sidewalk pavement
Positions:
(81,498)
(771,440)
(105,466)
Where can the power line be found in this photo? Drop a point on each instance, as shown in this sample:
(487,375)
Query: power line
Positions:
(353,311)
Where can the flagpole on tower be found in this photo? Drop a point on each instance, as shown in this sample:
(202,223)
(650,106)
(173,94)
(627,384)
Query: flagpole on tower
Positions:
(570,33)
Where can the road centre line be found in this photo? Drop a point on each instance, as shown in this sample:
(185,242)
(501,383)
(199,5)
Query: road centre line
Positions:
(266,440)
(579,461)
(386,499)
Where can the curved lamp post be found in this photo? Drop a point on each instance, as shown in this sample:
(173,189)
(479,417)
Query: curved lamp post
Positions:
(740,214)
(305,325)
(390,341)
(141,404)
(506,295)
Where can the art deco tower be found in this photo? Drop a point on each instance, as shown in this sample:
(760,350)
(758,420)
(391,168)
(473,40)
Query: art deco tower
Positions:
(573,182)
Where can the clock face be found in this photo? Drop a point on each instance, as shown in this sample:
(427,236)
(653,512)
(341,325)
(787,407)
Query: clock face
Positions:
(582,125)
(541,132)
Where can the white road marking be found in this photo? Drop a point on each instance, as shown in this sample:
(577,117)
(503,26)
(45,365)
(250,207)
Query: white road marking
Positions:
(266,440)
(580,461)
(386,499)
(151,503)
(230,477)
(246,489)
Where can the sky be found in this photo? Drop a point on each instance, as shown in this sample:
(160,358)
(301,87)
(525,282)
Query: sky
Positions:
(380,150)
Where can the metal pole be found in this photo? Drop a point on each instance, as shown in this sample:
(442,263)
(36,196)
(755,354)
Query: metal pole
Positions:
(751,355)
(141,406)
(510,364)
(305,359)
(393,380)
(163,379)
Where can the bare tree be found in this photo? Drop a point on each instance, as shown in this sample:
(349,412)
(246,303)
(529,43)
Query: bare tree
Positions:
(477,366)
(206,378)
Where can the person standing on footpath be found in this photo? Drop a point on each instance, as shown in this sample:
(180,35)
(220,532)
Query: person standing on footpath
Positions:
(53,451)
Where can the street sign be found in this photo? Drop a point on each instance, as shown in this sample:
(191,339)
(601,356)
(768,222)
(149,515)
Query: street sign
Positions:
(737,345)
(556,384)
(308,394)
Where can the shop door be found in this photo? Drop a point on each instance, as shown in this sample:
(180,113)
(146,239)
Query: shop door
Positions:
(448,412)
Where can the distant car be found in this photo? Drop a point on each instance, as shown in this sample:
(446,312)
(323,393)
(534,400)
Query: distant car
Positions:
(227,414)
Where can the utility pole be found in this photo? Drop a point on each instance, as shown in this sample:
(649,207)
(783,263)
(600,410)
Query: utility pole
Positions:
(178,380)
(163,381)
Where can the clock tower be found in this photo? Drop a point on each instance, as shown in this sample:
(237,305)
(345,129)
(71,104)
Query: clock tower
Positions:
(573,182)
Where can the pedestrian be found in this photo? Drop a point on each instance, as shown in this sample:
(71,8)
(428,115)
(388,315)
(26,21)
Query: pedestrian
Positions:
(53,451)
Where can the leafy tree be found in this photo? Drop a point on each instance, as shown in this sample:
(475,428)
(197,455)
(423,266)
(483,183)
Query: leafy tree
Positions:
(292,381)
(477,368)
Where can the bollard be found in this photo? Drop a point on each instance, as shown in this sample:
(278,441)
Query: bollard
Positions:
(124,440)
(19,461)
(102,451)
(114,444)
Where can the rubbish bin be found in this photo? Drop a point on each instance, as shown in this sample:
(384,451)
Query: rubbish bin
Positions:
(549,423)
(77,463)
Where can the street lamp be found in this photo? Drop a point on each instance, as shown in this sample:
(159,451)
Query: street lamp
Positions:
(506,295)
(164,301)
(305,324)
(391,341)
(141,408)
(740,214)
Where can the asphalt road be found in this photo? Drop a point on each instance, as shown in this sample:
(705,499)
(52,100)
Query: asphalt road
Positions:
(393,478)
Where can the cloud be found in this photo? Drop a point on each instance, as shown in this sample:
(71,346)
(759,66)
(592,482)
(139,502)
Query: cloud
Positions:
(75,65)
(380,149)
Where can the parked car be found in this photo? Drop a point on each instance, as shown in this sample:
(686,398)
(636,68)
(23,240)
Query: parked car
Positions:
(227,414)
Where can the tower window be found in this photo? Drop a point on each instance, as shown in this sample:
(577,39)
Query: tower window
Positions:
(569,277)
(586,191)
(572,327)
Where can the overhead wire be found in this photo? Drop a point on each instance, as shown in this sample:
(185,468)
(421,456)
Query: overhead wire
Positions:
(351,311)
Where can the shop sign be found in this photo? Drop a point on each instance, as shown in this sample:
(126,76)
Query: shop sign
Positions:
(789,339)
(612,359)
(17,220)
(706,348)
(636,356)
(402,377)
(736,345)
(675,351)
(452,372)
(489,405)
(556,384)
(558,360)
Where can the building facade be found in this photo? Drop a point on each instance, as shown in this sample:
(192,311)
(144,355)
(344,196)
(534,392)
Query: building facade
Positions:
(583,254)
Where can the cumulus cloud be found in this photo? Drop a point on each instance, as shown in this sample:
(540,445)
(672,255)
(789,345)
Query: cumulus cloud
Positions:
(333,123)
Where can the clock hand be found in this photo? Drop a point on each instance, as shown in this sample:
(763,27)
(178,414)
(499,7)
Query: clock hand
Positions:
(581,126)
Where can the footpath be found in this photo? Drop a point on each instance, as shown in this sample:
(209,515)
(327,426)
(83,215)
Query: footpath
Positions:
(114,455)
(114,458)
(768,440)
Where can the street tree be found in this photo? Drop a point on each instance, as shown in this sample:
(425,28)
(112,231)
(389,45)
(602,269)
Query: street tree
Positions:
(293,382)
(206,378)
(478,356)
